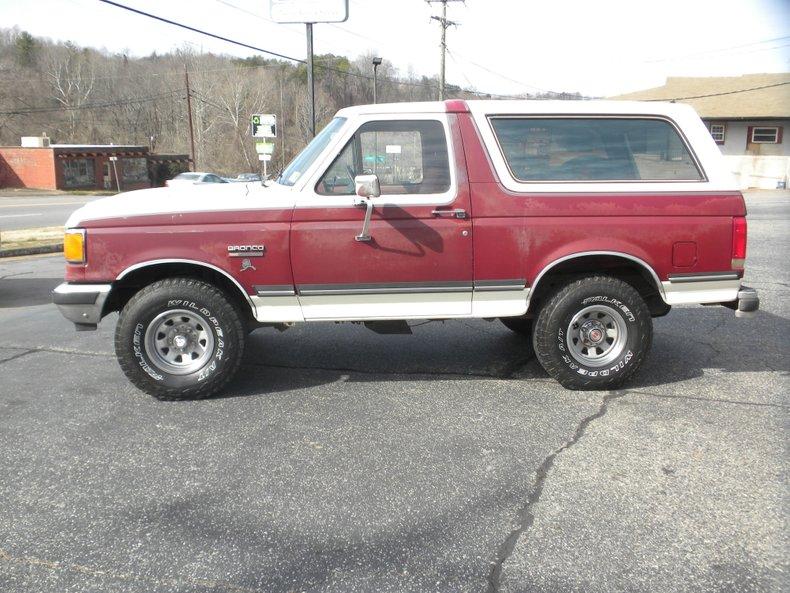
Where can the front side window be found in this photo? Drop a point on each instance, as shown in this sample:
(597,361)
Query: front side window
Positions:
(79,172)
(135,170)
(765,135)
(593,149)
(408,156)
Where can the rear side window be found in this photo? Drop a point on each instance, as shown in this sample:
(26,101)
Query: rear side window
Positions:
(594,149)
(408,156)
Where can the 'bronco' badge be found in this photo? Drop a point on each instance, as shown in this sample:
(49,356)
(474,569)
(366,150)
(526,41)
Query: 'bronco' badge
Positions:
(246,250)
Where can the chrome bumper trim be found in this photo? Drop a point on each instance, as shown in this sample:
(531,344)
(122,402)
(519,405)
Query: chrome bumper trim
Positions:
(82,304)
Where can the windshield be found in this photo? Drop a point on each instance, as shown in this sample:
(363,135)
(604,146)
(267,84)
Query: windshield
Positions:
(304,159)
(187,176)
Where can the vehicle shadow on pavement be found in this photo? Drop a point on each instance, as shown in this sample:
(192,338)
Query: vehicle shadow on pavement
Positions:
(689,341)
(18,291)
(685,346)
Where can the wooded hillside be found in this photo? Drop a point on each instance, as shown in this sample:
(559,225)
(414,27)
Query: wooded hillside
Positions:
(82,95)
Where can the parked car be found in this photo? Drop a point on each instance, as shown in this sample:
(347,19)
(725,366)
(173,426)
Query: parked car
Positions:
(248,177)
(574,223)
(193,178)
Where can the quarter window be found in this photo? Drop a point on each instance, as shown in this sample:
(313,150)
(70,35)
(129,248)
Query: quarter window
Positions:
(408,156)
(766,135)
(593,149)
(79,172)
(717,132)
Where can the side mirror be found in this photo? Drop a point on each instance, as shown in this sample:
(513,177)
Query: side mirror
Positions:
(367,186)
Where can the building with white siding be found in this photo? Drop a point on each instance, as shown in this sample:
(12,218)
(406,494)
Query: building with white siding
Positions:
(747,117)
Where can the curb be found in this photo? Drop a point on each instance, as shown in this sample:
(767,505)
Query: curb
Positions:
(38,249)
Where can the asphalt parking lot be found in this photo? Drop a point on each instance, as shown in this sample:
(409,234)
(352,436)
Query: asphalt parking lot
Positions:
(342,460)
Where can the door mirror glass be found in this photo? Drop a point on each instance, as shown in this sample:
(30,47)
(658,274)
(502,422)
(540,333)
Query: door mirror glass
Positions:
(367,186)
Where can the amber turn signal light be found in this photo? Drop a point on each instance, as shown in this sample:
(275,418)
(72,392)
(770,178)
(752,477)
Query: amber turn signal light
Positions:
(74,246)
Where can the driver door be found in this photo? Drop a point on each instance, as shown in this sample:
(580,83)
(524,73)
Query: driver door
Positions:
(418,260)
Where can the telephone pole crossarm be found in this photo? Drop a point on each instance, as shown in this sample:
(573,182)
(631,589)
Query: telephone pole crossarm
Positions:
(445,24)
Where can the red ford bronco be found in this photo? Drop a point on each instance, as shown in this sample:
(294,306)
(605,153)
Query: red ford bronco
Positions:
(574,223)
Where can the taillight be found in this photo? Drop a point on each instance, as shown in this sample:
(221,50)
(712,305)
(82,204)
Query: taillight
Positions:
(738,241)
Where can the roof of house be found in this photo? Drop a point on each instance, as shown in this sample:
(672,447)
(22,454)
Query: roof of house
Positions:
(751,96)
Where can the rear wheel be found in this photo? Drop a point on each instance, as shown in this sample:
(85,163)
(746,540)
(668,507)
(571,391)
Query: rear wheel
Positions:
(593,333)
(180,338)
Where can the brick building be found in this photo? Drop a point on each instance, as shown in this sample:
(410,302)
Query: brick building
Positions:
(40,165)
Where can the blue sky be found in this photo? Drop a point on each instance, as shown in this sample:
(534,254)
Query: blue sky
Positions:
(598,47)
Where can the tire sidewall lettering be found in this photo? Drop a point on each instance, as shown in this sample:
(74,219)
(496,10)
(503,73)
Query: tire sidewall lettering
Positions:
(597,372)
(201,375)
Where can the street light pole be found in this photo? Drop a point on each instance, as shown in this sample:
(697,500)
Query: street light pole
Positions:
(376,64)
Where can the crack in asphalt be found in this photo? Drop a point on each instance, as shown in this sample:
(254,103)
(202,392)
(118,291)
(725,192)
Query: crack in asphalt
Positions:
(709,400)
(20,355)
(525,517)
(58,566)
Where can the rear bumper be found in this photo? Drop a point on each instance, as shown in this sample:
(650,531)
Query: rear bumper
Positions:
(82,304)
(747,303)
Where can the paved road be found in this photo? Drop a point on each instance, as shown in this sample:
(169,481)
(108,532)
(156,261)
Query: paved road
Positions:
(341,460)
(32,211)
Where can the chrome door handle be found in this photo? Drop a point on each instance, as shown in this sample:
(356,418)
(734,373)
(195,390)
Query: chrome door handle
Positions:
(457,213)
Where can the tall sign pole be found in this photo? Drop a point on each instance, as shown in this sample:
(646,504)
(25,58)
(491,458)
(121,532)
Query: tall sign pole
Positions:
(309,12)
(310,81)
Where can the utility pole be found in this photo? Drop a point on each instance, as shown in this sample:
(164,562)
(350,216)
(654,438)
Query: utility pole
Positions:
(310,84)
(443,45)
(189,114)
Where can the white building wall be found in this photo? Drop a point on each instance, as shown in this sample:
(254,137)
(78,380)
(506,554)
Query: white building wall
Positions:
(762,166)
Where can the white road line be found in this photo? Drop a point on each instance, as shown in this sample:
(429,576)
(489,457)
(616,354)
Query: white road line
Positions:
(19,215)
(28,205)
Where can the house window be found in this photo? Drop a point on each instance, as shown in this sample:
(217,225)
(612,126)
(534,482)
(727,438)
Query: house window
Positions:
(766,135)
(135,170)
(79,172)
(717,131)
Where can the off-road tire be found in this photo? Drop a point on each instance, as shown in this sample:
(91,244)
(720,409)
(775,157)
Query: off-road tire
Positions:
(519,325)
(224,323)
(559,355)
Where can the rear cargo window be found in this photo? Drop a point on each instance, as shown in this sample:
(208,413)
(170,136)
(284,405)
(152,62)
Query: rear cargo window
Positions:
(593,149)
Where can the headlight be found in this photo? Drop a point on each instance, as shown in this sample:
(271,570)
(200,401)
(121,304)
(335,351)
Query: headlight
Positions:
(74,246)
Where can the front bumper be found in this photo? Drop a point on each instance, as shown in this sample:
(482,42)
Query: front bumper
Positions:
(747,303)
(81,304)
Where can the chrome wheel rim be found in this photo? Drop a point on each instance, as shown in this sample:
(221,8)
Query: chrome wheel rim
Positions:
(179,342)
(597,335)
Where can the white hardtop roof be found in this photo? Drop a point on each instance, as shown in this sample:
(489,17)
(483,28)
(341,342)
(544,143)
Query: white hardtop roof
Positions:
(526,107)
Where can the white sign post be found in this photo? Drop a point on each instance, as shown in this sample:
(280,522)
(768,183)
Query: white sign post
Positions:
(309,12)
(265,150)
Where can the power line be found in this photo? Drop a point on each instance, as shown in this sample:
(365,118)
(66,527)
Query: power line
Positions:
(713,51)
(104,105)
(200,31)
(756,88)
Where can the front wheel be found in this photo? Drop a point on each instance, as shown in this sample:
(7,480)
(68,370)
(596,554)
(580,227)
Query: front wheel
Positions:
(180,338)
(593,333)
